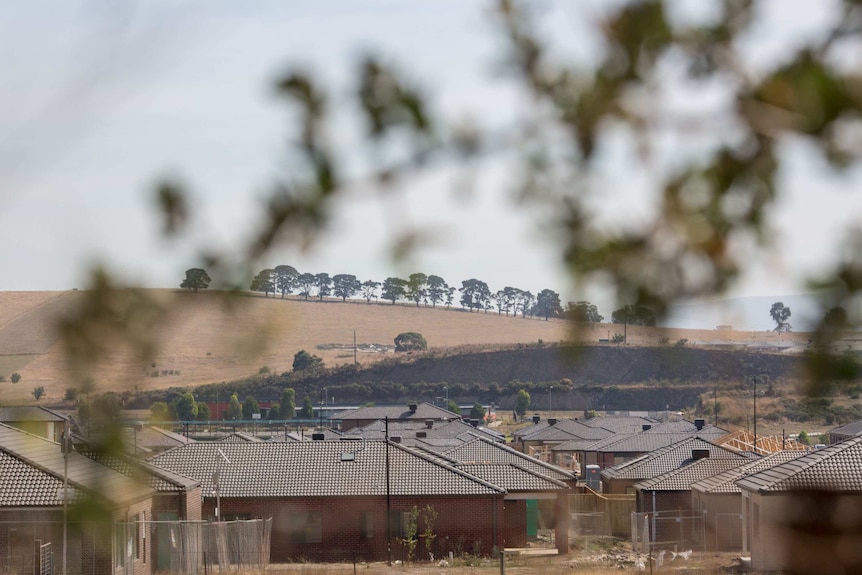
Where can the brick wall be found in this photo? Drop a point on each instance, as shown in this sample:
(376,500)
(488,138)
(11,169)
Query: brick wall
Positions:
(463,525)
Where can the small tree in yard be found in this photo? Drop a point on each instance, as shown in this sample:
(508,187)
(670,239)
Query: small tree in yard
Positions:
(410,530)
(38,392)
(453,407)
(15,377)
(429,517)
(410,341)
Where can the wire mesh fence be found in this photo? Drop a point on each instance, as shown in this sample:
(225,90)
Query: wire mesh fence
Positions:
(199,547)
(677,530)
(181,547)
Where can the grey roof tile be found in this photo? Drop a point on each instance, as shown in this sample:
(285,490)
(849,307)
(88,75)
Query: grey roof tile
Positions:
(157,478)
(833,468)
(319,468)
(689,472)
(28,413)
(665,459)
(726,482)
(511,477)
(481,450)
(43,461)
(423,411)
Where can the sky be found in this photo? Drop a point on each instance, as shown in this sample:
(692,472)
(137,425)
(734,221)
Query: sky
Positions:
(102,99)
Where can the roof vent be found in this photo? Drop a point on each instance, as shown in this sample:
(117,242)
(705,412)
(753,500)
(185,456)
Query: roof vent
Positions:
(536,419)
(552,421)
(348,456)
(699,423)
(412,406)
(421,434)
(395,439)
(699,454)
(474,422)
(429,423)
(317,437)
(646,427)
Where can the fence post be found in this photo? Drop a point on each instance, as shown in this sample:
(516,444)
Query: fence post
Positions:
(37,557)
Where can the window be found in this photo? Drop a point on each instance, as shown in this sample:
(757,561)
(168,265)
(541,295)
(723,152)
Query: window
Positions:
(306,526)
(400,520)
(366,525)
(135,534)
(125,542)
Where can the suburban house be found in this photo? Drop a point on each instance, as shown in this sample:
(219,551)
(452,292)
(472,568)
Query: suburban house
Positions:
(625,446)
(536,492)
(176,498)
(718,499)
(622,477)
(428,434)
(106,510)
(337,500)
(545,436)
(667,498)
(145,441)
(352,418)
(845,432)
(805,515)
(36,420)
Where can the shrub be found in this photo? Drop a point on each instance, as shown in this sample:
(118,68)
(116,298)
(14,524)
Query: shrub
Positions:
(15,378)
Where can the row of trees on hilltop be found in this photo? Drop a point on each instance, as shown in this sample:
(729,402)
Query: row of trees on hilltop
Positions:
(418,288)
(426,290)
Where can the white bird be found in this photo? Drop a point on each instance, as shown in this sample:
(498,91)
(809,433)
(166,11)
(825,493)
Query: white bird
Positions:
(673,555)
(659,560)
(640,565)
(685,554)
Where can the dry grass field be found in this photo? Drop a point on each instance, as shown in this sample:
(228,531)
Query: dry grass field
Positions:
(203,342)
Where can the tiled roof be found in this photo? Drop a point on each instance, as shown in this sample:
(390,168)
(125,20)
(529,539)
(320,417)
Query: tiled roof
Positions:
(620,423)
(22,484)
(833,468)
(646,442)
(153,437)
(319,468)
(413,432)
(685,426)
(665,459)
(239,437)
(511,477)
(157,478)
(424,410)
(566,430)
(481,450)
(726,482)
(849,430)
(28,413)
(33,466)
(691,471)
(578,445)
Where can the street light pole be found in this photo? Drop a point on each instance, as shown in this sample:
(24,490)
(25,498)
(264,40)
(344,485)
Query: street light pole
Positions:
(550,389)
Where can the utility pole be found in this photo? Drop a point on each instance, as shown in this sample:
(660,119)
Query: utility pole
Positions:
(755,413)
(354,347)
(388,496)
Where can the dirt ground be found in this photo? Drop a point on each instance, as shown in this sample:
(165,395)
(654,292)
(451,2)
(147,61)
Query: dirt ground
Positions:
(618,559)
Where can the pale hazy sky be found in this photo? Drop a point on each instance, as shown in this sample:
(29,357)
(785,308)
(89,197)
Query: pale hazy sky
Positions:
(101,98)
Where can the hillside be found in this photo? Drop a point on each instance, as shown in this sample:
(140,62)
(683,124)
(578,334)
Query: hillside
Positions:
(205,342)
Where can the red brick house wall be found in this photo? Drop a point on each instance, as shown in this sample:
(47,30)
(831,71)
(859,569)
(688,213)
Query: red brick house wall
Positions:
(463,525)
